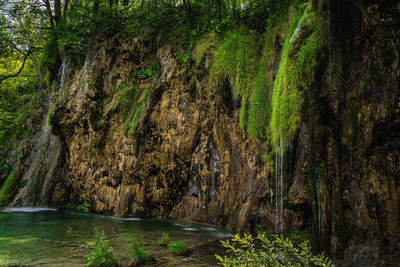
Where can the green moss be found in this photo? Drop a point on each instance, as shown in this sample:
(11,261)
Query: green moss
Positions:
(49,113)
(207,42)
(49,58)
(260,101)
(236,58)
(296,72)
(132,120)
(8,189)
(134,99)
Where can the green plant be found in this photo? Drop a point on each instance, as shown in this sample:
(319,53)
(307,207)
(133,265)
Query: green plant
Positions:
(178,248)
(274,251)
(164,240)
(260,102)
(138,253)
(298,235)
(49,113)
(103,254)
(236,59)
(83,207)
(8,189)
(302,46)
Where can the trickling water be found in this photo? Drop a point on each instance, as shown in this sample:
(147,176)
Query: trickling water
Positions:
(279,188)
(62,73)
(25,194)
(318,204)
(300,23)
(281,152)
(276,191)
(197,87)
(34,178)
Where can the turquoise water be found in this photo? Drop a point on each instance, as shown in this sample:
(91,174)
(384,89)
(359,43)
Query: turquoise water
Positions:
(48,237)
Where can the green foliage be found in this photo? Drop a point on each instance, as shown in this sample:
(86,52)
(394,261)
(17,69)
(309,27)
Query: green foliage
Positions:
(260,102)
(202,46)
(49,113)
(296,72)
(237,59)
(16,101)
(137,98)
(103,254)
(178,248)
(138,253)
(49,59)
(83,207)
(8,189)
(299,235)
(272,251)
(164,239)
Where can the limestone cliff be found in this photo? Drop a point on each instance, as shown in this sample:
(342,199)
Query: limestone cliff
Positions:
(188,159)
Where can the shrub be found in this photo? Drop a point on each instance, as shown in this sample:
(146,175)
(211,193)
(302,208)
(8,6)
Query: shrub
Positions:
(83,207)
(274,251)
(164,240)
(178,248)
(138,253)
(299,235)
(103,254)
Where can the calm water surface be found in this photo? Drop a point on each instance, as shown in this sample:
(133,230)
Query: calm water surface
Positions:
(49,237)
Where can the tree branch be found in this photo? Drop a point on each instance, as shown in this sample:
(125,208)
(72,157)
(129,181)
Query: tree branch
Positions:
(5,77)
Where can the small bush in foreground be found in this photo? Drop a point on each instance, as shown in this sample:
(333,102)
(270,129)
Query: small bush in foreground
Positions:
(177,248)
(164,240)
(273,251)
(103,254)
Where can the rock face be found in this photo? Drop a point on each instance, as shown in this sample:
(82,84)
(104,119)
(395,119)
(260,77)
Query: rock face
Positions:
(188,159)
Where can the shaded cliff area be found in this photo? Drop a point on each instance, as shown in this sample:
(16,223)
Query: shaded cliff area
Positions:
(138,131)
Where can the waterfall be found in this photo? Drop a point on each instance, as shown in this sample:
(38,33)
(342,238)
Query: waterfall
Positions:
(279,188)
(62,73)
(276,191)
(43,158)
(318,204)
(281,152)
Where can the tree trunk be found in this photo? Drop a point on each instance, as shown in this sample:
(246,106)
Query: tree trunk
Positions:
(57,12)
(48,9)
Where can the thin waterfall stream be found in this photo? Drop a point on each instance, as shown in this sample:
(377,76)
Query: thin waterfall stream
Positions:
(279,188)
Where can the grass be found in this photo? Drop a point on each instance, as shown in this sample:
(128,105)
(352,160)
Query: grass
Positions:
(177,248)
(164,239)
(103,254)
(138,253)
